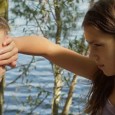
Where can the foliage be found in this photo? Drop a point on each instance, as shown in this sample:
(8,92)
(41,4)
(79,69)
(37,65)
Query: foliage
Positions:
(40,18)
(42,14)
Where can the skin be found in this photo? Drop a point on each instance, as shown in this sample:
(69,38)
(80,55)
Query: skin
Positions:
(8,52)
(102,49)
(101,53)
(77,63)
(41,46)
(2,36)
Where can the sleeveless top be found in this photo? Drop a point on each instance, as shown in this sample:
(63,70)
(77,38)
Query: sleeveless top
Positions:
(109,109)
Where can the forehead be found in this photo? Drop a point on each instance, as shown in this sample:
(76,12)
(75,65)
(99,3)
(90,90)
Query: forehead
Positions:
(93,34)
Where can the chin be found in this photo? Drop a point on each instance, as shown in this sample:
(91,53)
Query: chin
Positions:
(108,74)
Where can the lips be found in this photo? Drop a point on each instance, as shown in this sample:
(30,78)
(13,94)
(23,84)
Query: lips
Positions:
(100,66)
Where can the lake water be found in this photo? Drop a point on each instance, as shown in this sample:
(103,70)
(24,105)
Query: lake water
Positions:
(38,79)
(16,94)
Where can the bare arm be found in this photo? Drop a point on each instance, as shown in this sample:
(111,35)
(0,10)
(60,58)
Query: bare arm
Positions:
(65,58)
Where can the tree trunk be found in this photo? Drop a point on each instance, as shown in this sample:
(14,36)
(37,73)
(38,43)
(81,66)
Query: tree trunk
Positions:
(4,9)
(72,87)
(57,69)
(57,90)
(69,98)
(1,96)
(73,83)
(3,13)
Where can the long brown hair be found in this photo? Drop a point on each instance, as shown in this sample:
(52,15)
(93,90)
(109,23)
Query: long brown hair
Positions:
(102,16)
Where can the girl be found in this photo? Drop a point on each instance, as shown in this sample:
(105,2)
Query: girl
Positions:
(99,32)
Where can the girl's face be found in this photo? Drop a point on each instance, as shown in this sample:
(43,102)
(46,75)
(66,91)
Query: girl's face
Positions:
(102,49)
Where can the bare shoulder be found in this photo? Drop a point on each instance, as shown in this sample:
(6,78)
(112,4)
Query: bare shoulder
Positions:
(72,61)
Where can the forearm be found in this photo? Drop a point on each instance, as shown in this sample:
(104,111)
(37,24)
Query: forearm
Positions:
(65,58)
(33,45)
(36,45)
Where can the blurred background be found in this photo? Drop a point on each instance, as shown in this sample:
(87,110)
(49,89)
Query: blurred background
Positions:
(36,86)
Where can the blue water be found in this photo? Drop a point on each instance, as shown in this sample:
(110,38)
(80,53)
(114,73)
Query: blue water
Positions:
(39,79)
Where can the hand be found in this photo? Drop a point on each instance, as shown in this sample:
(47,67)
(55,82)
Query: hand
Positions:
(8,53)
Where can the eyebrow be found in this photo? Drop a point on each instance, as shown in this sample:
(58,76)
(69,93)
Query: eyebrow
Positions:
(91,42)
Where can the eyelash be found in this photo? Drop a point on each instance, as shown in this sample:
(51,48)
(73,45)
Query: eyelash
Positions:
(95,45)
(98,45)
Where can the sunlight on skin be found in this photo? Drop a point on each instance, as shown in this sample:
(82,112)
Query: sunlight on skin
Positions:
(2,36)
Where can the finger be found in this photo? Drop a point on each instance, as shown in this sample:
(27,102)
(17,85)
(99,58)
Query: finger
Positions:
(7,48)
(9,54)
(13,64)
(7,41)
(8,61)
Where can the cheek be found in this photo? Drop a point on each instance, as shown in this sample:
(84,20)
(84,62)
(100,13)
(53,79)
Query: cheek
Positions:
(109,58)
(110,50)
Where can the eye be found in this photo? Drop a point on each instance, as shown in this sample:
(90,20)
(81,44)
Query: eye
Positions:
(97,45)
